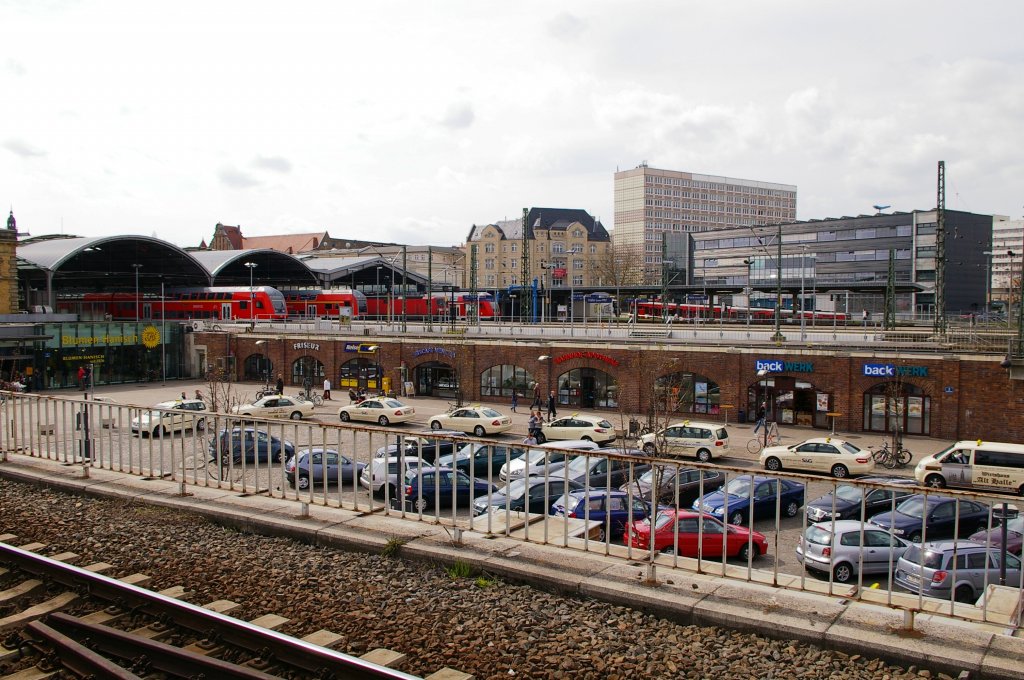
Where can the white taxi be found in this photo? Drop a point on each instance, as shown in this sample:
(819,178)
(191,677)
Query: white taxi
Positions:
(169,416)
(578,426)
(276,406)
(838,457)
(382,411)
(704,441)
(478,420)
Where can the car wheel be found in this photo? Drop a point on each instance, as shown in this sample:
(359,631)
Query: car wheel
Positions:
(586,438)
(201,424)
(435,424)
(383,421)
(668,550)
(600,535)
(748,552)
(158,431)
(964,593)
(345,417)
(736,517)
(479,431)
(935,481)
(840,471)
(842,573)
(421,504)
(914,537)
(541,439)
(297,415)
(392,491)
(650,449)
(704,456)
(773,464)
(303,482)
(792,509)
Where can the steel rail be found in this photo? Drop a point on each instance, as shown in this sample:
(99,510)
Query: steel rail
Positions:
(75,656)
(285,648)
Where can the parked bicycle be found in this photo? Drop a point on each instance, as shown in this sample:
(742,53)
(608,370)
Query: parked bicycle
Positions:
(310,395)
(771,437)
(892,458)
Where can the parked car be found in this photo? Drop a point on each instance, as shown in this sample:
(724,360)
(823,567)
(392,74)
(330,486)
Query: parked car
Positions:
(526,494)
(694,540)
(387,471)
(600,472)
(848,499)
(482,460)
(276,406)
(611,508)
(477,420)
(432,487)
(928,569)
(542,459)
(994,537)
(319,465)
(254,444)
(578,426)
(933,517)
(704,441)
(835,547)
(838,457)
(735,497)
(678,486)
(384,411)
(427,445)
(170,416)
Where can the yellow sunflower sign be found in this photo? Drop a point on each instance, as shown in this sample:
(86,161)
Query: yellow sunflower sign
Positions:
(150,337)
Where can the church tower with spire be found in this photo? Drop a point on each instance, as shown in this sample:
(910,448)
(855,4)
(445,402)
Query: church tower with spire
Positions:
(9,266)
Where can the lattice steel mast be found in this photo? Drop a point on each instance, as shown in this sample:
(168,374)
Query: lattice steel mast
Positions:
(940,252)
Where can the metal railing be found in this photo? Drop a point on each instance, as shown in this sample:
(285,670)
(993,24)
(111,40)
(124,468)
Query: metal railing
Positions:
(607,514)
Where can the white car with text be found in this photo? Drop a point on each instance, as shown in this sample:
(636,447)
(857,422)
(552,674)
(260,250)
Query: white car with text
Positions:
(837,457)
(276,406)
(382,410)
(477,420)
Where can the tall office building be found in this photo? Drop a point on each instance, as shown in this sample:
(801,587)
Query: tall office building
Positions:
(651,202)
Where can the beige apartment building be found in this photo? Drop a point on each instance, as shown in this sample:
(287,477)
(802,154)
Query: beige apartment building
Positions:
(567,248)
(650,202)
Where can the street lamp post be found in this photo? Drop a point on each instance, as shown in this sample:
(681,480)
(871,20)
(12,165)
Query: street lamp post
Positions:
(251,266)
(1009,292)
(803,321)
(513,296)
(988,282)
(750,291)
(376,290)
(139,266)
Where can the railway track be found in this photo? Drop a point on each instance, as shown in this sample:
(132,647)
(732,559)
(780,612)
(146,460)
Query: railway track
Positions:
(59,620)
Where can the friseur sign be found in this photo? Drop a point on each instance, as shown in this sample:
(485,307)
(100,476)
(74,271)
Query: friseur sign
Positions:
(892,370)
(780,366)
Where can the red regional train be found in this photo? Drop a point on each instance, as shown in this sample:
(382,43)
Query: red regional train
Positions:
(647,309)
(440,303)
(218,302)
(334,303)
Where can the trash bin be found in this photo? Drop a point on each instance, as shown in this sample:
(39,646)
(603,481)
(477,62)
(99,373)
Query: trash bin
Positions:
(742,416)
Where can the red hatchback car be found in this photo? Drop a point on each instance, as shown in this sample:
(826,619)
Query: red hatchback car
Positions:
(737,539)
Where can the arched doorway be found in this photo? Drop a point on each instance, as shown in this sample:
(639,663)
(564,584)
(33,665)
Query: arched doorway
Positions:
(359,373)
(897,404)
(790,401)
(307,367)
(686,392)
(501,380)
(588,388)
(436,379)
(257,367)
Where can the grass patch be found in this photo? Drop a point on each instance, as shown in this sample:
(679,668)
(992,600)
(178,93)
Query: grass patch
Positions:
(484,582)
(459,570)
(393,545)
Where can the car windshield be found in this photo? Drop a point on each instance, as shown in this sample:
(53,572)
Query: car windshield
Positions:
(926,558)
(648,476)
(912,507)
(849,492)
(536,456)
(490,413)
(566,501)
(739,486)
(850,448)
(517,488)
(818,535)
(580,465)
(1016,524)
(391,403)
(664,519)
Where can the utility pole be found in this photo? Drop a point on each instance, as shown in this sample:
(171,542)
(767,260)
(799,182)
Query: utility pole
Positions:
(940,253)
(889,313)
(405,289)
(525,306)
(472,286)
(430,289)
(778,336)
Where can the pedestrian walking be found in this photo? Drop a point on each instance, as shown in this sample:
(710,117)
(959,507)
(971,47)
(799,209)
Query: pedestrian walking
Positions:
(81,377)
(530,440)
(533,425)
(536,396)
(762,411)
(515,400)
(327,389)
(552,406)
(280,384)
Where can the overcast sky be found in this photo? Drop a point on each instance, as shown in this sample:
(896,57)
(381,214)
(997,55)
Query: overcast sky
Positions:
(410,121)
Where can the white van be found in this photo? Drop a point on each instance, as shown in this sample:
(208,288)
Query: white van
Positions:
(704,441)
(975,465)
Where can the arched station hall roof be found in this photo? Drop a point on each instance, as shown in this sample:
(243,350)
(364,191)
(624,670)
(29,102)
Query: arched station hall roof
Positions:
(273,268)
(106,263)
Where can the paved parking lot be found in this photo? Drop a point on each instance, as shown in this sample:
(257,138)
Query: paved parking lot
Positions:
(167,452)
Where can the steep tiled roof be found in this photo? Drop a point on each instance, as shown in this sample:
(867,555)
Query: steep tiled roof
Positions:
(287,243)
(547,219)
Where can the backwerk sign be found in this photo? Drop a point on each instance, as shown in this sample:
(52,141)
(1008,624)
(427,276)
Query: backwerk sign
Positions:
(780,366)
(892,370)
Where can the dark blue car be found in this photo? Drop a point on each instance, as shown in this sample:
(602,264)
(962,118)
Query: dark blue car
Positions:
(933,517)
(484,459)
(253,444)
(431,487)
(733,500)
(319,466)
(611,508)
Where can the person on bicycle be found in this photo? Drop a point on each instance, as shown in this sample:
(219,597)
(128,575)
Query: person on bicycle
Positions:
(762,412)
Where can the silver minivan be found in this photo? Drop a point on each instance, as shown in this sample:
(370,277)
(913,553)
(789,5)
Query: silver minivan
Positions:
(836,547)
(963,568)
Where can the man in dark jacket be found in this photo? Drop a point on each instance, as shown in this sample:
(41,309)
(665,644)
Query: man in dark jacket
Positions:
(552,406)
(280,384)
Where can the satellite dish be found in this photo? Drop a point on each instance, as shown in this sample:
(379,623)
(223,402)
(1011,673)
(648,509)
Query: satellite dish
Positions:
(880,208)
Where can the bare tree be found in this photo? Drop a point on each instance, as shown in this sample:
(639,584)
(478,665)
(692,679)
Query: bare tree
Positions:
(618,266)
(221,394)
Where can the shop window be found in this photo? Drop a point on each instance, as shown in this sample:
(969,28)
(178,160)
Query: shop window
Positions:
(499,381)
(307,367)
(686,392)
(588,388)
(897,407)
(361,372)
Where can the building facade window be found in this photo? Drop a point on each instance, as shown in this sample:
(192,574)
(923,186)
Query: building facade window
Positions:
(588,388)
(501,380)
